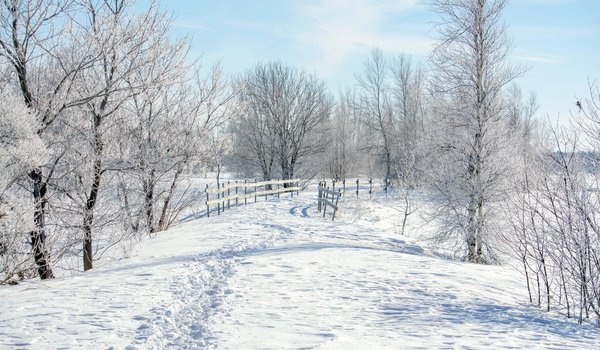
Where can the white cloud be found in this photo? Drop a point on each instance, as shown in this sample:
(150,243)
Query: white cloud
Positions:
(537,59)
(337,29)
(549,2)
(190,26)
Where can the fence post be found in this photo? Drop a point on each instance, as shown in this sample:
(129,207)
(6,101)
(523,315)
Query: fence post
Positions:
(207,205)
(337,198)
(370,187)
(277,190)
(266,195)
(236,193)
(297,183)
(218,199)
(245,192)
(344,185)
(254,190)
(386,186)
(356,187)
(319,198)
(228,194)
(333,184)
(325,202)
(223,195)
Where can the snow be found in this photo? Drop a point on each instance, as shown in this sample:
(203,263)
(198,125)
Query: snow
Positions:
(276,275)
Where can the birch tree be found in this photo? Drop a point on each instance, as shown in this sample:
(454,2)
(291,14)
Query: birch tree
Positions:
(471,73)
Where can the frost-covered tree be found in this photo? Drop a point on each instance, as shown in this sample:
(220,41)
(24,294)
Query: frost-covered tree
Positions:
(20,150)
(36,44)
(126,44)
(282,108)
(342,157)
(170,130)
(407,90)
(79,66)
(391,105)
(376,108)
(471,71)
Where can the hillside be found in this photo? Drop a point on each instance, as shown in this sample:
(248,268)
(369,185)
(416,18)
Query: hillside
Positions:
(275,275)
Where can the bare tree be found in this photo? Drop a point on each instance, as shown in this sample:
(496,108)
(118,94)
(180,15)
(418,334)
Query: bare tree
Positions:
(343,152)
(407,94)
(471,73)
(283,107)
(556,224)
(254,148)
(209,107)
(376,107)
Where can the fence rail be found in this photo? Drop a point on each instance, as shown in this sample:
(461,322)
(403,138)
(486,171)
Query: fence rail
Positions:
(326,198)
(362,186)
(241,191)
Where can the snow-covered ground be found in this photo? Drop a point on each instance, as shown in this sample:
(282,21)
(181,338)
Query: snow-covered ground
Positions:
(275,275)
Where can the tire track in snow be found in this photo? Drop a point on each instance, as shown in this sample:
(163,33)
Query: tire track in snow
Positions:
(185,322)
(304,211)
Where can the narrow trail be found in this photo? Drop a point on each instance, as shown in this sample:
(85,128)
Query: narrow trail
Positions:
(186,320)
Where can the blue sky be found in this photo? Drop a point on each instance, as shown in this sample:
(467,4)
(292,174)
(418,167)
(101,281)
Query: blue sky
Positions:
(558,39)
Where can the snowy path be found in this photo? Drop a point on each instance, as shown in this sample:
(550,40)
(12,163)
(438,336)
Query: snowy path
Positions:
(275,275)
(198,291)
(347,286)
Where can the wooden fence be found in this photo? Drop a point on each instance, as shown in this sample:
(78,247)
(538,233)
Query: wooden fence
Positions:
(326,198)
(354,187)
(234,193)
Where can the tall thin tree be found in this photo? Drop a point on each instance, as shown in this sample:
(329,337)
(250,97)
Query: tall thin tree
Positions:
(471,72)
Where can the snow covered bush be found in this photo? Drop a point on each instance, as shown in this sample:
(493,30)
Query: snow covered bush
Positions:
(555,220)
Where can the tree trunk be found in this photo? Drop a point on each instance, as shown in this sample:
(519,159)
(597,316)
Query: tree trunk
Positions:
(87,240)
(287,172)
(149,201)
(88,215)
(162,221)
(471,232)
(480,259)
(267,177)
(38,235)
(388,162)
